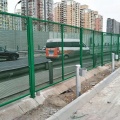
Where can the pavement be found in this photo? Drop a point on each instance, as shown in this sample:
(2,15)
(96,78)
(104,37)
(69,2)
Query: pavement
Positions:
(103,106)
(102,102)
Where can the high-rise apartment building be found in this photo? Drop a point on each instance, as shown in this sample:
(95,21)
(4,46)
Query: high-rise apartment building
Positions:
(42,9)
(72,13)
(113,26)
(99,23)
(90,19)
(3,5)
(3,18)
(67,12)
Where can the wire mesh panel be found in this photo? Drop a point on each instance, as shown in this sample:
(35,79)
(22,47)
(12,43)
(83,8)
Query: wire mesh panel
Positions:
(87,49)
(71,50)
(107,47)
(119,47)
(14,77)
(97,48)
(47,47)
(114,43)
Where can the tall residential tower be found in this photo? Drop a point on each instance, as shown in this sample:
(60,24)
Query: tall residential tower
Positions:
(42,9)
(3,18)
(113,26)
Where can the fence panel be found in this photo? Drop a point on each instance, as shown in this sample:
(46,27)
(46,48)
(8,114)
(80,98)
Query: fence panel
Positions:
(54,50)
(71,50)
(114,43)
(97,48)
(47,47)
(107,46)
(14,74)
(87,49)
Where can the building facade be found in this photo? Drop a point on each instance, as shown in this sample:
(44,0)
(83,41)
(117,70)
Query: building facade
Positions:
(3,18)
(90,19)
(113,26)
(72,13)
(99,23)
(67,12)
(41,9)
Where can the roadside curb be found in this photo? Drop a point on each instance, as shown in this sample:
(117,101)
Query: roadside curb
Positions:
(79,102)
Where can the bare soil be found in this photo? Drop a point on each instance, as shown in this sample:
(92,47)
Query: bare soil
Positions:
(54,103)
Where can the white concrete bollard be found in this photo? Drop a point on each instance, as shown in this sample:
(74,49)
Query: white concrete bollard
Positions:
(78,83)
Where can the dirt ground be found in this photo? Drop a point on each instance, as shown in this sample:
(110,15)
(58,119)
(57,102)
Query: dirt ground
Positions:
(55,103)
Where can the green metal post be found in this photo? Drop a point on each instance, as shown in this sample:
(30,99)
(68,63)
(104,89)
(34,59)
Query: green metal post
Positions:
(102,48)
(118,47)
(81,45)
(62,45)
(111,48)
(31,56)
(93,49)
(111,43)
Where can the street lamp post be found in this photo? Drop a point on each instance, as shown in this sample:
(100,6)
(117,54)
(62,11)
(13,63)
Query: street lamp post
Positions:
(26,6)
(16,5)
(15,20)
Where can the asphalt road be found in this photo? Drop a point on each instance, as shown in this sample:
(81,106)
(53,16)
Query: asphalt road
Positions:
(21,62)
(17,85)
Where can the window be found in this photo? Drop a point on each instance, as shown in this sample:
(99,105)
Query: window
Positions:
(53,44)
(66,44)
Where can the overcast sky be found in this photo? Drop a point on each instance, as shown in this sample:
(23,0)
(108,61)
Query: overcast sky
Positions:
(107,8)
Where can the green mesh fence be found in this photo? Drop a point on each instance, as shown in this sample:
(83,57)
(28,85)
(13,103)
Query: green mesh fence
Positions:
(97,48)
(48,53)
(71,48)
(87,49)
(47,42)
(107,43)
(14,72)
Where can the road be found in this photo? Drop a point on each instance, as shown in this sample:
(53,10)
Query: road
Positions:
(21,83)
(21,62)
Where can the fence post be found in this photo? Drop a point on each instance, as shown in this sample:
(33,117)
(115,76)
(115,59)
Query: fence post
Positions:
(93,49)
(31,56)
(102,48)
(111,47)
(81,45)
(62,45)
(118,48)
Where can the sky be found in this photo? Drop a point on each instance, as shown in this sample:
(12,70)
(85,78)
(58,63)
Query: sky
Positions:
(106,8)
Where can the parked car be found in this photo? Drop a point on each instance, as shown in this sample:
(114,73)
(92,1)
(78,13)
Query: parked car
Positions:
(8,55)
